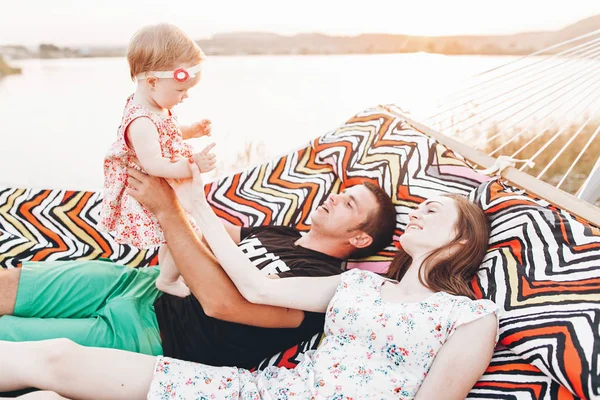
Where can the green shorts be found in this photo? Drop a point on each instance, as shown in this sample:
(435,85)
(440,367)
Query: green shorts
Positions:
(93,303)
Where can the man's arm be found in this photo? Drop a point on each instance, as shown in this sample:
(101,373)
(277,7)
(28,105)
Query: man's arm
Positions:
(206,279)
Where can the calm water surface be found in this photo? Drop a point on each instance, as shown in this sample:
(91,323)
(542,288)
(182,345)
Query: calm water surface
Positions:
(60,116)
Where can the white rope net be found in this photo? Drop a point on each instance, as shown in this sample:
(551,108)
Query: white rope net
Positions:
(544,107)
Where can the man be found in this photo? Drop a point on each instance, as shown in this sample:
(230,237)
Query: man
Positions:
(108,305)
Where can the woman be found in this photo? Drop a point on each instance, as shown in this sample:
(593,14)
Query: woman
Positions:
(385,338)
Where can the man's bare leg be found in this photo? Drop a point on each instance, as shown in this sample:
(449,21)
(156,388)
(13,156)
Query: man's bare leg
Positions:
(9,281)
(75,371)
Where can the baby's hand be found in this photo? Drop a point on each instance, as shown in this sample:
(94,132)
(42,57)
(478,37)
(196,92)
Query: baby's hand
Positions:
(199,129)
(206,160)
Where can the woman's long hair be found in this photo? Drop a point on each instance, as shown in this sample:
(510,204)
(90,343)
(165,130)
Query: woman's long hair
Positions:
(449,271)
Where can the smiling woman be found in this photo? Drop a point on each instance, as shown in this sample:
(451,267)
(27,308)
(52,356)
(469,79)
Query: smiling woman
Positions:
(452,234)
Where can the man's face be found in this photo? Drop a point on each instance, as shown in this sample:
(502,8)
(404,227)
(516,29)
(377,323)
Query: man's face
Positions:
(341,213)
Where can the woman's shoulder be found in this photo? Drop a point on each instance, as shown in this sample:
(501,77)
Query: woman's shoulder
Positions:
(464,310)
(465,302)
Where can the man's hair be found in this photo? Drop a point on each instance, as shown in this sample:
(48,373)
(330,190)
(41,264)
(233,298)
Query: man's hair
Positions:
(380,223)
(161,47)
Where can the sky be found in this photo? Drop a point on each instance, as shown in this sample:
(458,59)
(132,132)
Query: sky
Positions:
(112,22)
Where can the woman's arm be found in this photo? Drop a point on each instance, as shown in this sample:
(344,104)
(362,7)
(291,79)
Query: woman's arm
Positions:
(461,361)
(302,293)
(144,139)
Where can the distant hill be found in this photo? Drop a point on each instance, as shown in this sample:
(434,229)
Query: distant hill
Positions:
(315,43)
(577,29)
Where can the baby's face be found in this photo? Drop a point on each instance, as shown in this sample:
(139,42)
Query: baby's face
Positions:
(168,92)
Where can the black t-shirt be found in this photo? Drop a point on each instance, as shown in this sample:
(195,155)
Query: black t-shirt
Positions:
(189,334)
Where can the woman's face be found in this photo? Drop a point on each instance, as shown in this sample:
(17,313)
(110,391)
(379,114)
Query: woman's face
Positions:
(430,226)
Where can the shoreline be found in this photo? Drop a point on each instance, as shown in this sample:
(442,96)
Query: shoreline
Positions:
(6,69)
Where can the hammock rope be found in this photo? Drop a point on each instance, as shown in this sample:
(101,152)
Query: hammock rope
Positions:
(523,107)
(468,95)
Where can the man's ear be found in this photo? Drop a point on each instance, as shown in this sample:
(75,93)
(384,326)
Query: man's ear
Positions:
(151,81)
(361,240)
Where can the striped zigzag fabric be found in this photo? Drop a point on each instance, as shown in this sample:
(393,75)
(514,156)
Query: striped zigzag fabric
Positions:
(542,266)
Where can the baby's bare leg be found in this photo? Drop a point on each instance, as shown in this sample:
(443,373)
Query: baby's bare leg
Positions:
(170,280)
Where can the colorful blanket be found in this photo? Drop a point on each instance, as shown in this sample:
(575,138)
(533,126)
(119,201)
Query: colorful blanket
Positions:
(542,267)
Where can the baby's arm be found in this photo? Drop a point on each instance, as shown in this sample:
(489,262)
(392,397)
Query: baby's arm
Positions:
(196,130)
(144,139)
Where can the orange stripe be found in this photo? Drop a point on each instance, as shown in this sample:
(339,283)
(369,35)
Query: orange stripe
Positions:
(403,193)
(26,212)
(287,356)
(564,394)
(542,287)
(230,194)
(535,387)
(313,188)
(515,246)
(590,246)
(347,153)
(523,367)
(571,360)
(311,163)
(476,288)
(73,214)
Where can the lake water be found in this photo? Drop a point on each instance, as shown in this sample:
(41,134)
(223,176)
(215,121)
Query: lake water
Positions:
(60,116)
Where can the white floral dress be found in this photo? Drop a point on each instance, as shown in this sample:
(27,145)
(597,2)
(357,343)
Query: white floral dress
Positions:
(131,222)
(372,350)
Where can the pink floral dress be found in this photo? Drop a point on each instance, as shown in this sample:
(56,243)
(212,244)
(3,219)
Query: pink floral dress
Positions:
(372,350)
(121,214)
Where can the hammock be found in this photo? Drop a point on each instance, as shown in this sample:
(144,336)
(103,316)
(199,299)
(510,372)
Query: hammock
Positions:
(542,266)
(536,108)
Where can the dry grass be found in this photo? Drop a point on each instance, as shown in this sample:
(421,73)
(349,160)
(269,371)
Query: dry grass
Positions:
(560,166)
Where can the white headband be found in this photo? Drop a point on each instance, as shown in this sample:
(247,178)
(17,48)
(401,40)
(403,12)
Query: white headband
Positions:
(179,74)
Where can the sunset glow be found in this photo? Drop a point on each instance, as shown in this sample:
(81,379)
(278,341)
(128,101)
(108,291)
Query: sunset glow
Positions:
(67,22)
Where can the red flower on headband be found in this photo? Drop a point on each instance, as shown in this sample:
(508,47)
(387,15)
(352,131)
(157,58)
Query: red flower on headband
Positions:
(181,75)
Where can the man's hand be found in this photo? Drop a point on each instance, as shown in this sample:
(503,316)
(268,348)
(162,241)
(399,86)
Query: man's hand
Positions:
(199,129)
(153,192)
(205,159)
